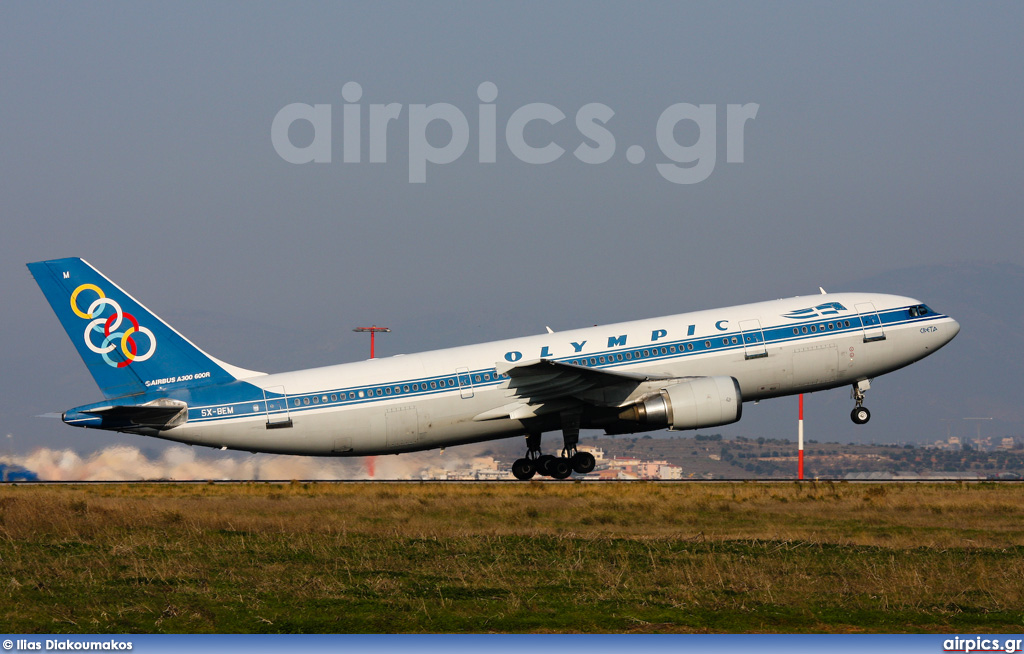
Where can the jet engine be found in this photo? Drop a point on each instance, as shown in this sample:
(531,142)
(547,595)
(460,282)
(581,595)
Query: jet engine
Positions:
(690,404)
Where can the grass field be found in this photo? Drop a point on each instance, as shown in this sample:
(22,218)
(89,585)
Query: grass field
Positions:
(551,557)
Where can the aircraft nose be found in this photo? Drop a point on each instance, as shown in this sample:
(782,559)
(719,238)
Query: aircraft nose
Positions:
(954,329)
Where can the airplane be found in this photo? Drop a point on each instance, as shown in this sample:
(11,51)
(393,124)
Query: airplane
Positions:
(687,371)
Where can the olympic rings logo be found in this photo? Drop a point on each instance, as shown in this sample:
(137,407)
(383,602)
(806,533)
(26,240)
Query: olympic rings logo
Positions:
(108,327)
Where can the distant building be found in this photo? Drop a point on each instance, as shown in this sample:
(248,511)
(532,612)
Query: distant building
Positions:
(650,469)
(669,471)
(627,464)
(481,463)
(615,473)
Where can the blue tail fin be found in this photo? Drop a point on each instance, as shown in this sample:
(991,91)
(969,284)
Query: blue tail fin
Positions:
(126,347)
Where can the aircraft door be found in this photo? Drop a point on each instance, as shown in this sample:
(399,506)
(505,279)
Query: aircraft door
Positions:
(870,321)
(753,339)
(275,401)
(465,382)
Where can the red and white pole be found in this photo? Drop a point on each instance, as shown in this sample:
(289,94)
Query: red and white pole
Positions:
(373,336)
(371,461)
(800,441)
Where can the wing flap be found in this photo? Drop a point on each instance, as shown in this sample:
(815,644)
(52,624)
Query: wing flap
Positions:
(543,381)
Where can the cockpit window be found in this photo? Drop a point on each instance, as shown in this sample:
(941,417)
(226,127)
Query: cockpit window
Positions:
(920,310)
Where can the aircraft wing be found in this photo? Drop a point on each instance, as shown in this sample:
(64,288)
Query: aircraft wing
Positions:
(544,386)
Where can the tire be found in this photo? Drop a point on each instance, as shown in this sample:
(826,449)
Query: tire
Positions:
(560,468)
(583,462)
(543,464)
(860,415)
(523,469)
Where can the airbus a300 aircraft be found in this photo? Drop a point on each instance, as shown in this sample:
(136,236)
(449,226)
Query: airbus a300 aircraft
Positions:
(688,371)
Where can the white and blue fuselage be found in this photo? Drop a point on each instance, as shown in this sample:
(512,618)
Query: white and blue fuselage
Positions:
(581,378)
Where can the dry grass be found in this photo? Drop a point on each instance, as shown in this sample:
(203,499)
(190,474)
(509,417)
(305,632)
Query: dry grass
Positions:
(512,557)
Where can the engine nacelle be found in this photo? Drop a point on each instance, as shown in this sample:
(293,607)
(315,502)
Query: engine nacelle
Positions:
(691,404)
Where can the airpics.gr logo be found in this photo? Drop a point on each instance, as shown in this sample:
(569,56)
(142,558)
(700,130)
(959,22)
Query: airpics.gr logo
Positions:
(820,311)
(108,326)
(593,143)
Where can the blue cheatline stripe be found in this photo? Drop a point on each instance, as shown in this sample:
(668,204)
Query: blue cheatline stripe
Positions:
(516,643)
(721,342)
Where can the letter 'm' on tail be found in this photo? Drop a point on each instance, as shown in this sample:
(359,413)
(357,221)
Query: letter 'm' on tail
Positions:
(126,347)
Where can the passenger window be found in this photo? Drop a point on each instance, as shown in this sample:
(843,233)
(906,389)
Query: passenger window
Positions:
(305,400)
(297,402)
(707,344)
(689,346)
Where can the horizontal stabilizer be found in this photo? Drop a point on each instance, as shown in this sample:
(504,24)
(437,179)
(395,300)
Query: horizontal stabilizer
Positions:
(159,414)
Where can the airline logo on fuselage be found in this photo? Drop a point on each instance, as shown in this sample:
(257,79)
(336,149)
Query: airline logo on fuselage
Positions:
(104,330)
(820,311)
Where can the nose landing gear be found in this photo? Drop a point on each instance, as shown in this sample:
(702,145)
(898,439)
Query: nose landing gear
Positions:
(860,413)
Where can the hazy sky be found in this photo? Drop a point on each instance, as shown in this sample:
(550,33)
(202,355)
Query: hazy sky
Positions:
(138,136)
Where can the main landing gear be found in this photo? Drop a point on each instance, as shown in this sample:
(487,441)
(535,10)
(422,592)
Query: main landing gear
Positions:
(860,413)
(557,467)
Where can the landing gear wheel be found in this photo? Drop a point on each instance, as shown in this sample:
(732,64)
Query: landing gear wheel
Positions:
(544,464)
(860,415)
(583,462)
(560,468)
(524,469)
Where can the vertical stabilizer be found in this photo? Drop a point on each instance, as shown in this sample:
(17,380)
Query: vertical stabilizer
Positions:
(126,347)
